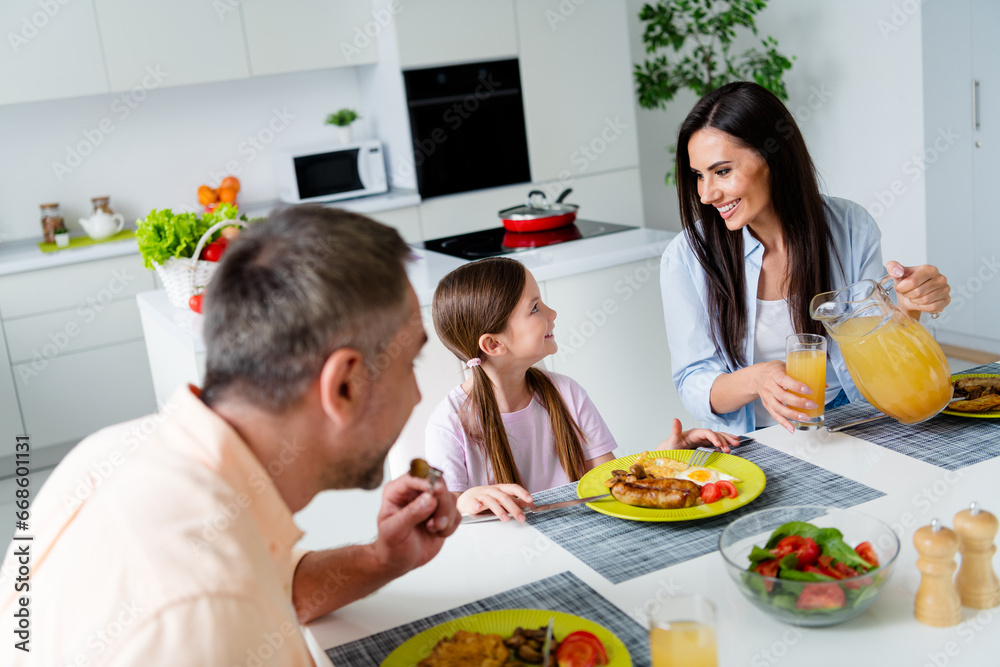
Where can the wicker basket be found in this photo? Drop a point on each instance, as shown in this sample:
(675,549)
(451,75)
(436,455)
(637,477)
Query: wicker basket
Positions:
(183,277)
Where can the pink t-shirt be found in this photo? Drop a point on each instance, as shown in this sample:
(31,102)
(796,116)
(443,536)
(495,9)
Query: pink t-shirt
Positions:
(529,432)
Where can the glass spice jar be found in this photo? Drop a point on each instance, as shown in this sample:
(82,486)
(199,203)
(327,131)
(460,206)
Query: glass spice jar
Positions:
(52,222)
(102,204)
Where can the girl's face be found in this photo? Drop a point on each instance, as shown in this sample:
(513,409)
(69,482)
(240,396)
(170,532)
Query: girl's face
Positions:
(529,333)
(733,178)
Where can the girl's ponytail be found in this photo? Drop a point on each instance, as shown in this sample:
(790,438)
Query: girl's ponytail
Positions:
(484,424)
(567,434)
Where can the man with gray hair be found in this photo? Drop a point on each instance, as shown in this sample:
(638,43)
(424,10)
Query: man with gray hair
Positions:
(183,554)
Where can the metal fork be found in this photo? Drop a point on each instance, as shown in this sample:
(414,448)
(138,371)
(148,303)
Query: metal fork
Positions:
(700,456)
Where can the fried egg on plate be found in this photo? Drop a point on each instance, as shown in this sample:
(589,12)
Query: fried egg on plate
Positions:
(702,476)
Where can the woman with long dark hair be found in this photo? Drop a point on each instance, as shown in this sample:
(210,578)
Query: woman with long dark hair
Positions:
(759,242)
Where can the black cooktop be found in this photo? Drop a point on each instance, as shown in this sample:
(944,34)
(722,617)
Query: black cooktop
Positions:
(498,241)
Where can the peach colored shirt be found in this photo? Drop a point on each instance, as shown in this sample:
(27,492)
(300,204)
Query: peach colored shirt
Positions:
(161,541)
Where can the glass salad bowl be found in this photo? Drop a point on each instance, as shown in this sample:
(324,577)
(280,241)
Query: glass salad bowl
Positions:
(823,583)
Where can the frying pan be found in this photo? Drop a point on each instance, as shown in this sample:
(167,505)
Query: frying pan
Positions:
(538,215)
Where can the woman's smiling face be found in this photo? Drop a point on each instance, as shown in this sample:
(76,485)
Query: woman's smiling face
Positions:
(733,178)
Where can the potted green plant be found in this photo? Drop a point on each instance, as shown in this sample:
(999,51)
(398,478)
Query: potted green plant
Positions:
(62,238)
(342,119)
(700,34)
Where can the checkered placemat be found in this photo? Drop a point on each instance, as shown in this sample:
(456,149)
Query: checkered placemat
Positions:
(641,547)
(945,441)
(563,592)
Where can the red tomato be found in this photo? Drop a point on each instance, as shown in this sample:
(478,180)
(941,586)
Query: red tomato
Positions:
(727,488)
(194,303)
(576,653)
(867,551)
(710,493)
(805,549)
(821,596)
(584,636)
(213,251)
(768,568)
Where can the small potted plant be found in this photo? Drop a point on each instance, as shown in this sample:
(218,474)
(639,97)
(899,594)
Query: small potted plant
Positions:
(62,238)
(343,119)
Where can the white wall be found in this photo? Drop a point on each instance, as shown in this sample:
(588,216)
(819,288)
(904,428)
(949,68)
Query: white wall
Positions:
(856,91)
(162,147)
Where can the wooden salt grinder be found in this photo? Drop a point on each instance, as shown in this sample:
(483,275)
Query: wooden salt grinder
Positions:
(937,602)
(976,582)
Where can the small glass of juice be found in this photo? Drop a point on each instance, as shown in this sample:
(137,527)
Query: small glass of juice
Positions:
(682,632)
(805,360)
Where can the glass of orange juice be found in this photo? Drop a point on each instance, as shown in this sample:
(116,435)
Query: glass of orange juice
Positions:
(805,360)
(682,632)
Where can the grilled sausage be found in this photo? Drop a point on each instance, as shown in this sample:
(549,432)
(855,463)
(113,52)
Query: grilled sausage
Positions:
(667,494)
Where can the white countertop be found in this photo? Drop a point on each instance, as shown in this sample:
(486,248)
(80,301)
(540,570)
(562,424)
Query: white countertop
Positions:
(427,268)
(484,559)
(25,255)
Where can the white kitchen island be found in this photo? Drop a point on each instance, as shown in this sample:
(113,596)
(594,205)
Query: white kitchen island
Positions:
(609,329)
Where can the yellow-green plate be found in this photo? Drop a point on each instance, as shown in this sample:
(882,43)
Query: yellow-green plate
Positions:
(992,414)
(503,623)
(751,485)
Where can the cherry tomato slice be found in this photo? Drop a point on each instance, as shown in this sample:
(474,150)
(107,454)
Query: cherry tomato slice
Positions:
(821,596)
(194,303)
(584,636)
(867,551)
(805,549)
(727,488)
(768,568)
(578,653)
(710,493)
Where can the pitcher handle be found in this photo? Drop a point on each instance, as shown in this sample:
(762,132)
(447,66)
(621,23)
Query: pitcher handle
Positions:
(120,222)
(887,282)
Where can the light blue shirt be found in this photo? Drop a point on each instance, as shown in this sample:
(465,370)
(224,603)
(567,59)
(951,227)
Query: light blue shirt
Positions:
(693,357)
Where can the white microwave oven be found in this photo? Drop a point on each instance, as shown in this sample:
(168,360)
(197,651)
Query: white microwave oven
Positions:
(330,172)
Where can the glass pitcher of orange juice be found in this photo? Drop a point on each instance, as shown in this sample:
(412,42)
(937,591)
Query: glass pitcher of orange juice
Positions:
(893,360)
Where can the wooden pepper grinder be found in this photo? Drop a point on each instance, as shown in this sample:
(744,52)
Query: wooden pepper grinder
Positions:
(937,601)
(976,582)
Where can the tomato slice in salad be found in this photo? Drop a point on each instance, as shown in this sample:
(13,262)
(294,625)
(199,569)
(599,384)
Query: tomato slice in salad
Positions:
(821,596)
(867,551)
(805,549)
(768,568)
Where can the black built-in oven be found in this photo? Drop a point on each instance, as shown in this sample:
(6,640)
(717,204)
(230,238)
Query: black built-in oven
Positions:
(468,127)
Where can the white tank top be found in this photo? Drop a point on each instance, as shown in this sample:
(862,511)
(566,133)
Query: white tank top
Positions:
(773,326)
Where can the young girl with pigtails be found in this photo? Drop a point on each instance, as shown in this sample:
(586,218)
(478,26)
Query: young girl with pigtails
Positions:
(512,429)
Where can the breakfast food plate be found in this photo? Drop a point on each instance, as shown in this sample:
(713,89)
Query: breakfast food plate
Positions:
(503,623)
(990,414)
(751,485)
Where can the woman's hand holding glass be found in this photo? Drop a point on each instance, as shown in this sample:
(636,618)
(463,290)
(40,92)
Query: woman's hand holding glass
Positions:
(504,500)
(698,437)
(773,384)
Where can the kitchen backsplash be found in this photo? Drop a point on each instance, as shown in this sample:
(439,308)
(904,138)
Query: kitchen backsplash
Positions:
(152,147)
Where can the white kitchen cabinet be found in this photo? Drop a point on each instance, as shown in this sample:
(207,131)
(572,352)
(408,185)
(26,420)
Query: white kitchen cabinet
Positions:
(68,331)
(606,197)
(53,50)
(435,32)
(612,341)
(576,75)
(10,414)
(297,35)
(75,395)
(962,239)
(158,44)
(405,220)
(84,287)
(438,372)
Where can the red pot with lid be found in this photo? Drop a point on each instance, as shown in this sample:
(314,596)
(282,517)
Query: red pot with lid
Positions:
(538,214)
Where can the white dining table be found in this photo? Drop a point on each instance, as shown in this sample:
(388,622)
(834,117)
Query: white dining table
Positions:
(483,559)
